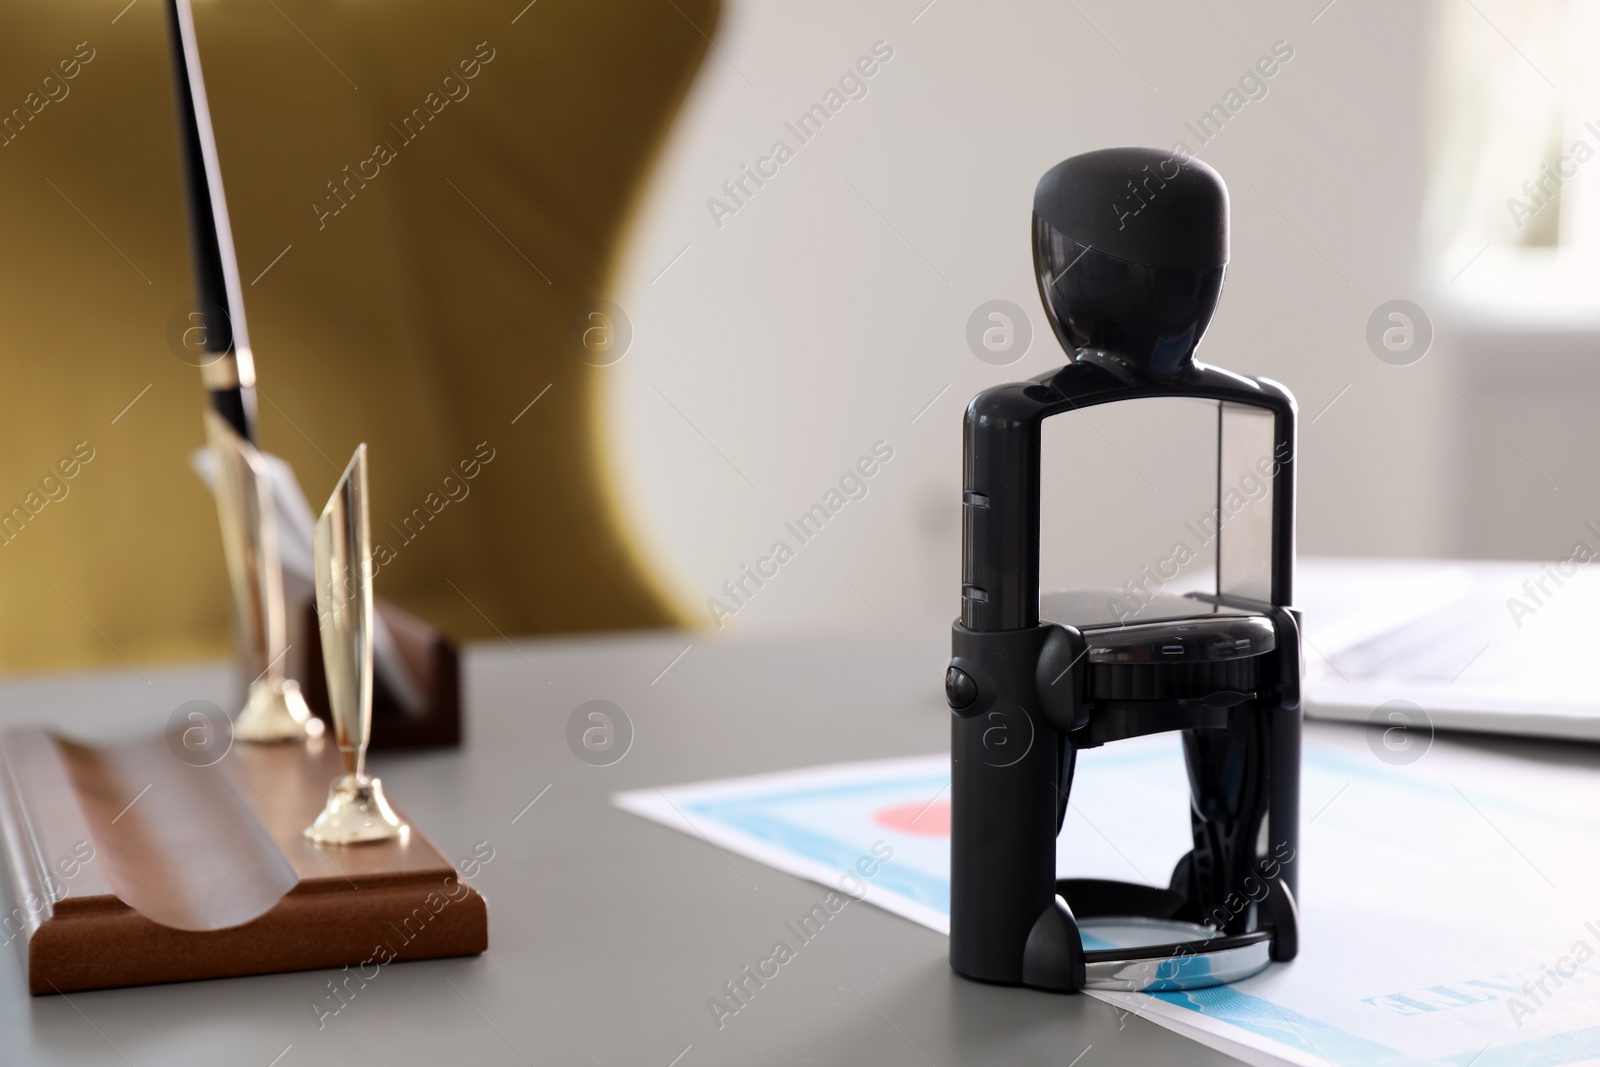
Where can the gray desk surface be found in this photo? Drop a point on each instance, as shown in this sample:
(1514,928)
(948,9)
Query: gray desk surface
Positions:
(608,933)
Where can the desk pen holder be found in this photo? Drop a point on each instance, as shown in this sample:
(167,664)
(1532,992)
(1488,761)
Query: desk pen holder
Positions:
(1130,247)
(213,859)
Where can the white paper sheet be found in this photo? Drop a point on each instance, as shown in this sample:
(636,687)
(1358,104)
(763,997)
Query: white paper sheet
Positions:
(1435,897)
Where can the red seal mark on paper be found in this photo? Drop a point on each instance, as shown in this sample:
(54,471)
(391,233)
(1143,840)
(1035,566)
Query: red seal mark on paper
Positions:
(919,817)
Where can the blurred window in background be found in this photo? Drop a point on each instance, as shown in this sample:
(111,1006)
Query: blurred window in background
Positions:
(1512,215)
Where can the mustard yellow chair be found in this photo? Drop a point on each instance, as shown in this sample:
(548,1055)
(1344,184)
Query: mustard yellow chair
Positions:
(426,198)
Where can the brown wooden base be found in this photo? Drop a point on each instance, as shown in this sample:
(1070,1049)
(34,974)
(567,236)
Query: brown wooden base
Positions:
(130,866)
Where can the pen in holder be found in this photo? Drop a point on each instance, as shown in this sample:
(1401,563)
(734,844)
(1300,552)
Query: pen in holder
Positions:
(274,709)
(1130,246)
(216,340)
(419,690)
(357,810)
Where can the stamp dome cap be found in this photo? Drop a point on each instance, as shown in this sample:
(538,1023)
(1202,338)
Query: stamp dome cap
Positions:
(1141,205)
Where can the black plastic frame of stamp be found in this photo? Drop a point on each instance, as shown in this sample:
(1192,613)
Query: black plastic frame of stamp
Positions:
(1130,246)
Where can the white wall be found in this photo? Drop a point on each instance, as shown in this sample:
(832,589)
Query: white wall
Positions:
(831,309)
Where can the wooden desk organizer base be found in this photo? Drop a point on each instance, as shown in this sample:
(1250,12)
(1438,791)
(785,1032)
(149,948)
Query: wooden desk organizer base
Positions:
(128,866)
